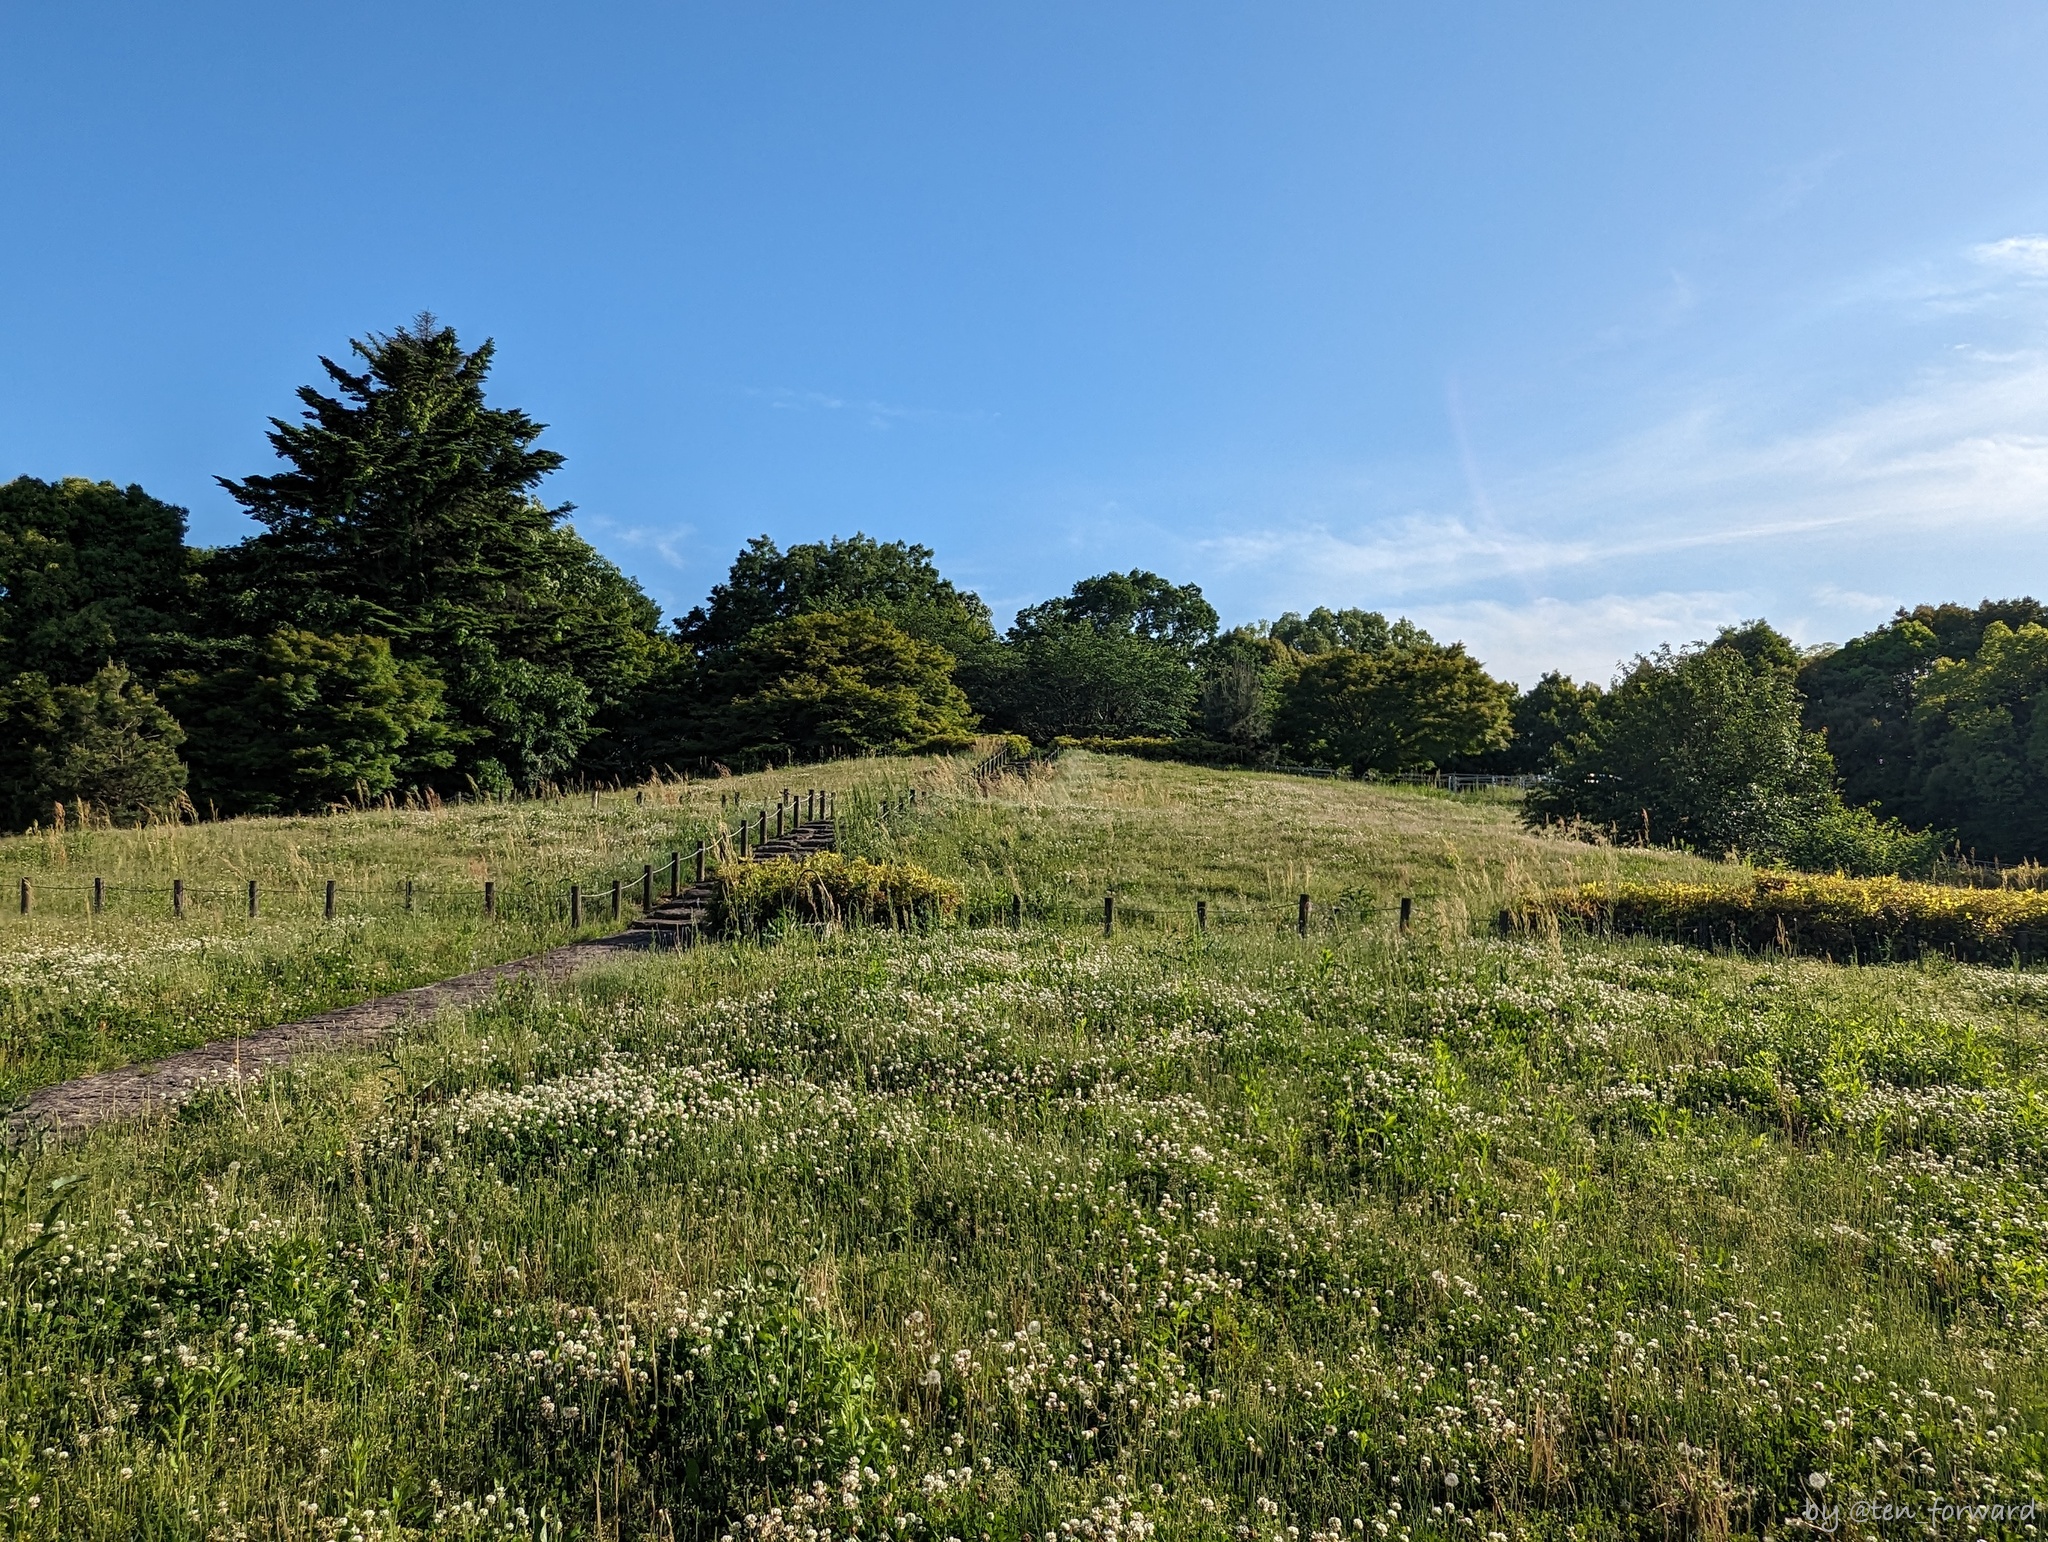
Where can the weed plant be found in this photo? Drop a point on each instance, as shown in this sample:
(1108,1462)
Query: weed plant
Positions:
(1036,1236)
(1006,1235)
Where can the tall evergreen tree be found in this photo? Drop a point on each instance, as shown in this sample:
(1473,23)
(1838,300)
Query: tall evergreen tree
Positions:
(409,510)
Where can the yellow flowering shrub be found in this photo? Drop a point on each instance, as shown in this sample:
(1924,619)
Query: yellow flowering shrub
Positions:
(1844,918)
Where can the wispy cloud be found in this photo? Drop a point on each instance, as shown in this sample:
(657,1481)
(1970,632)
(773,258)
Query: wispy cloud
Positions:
(1759,496)
(1589,639)
(2020,254)
(878,415)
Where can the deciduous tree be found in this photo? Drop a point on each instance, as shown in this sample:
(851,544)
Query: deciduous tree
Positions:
(1399,709)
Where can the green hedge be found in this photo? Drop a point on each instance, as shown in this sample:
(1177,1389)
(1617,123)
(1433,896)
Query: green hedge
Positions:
(1196,751)
(747,896)
(1842,918)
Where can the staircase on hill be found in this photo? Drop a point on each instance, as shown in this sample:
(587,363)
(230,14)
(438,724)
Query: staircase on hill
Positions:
(675,922)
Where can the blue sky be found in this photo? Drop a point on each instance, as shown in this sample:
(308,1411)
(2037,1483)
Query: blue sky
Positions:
(1566,330)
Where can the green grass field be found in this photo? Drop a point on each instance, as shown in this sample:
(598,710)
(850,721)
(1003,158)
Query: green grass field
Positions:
(1041,1237)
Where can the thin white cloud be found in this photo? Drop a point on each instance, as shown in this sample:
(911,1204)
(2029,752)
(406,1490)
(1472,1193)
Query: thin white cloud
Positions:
(1589,639)
(2021,254)
(1931,479)
(878,414)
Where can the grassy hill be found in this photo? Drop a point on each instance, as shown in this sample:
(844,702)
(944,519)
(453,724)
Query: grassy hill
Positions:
(1032,1234)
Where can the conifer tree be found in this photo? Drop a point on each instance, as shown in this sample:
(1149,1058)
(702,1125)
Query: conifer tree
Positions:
(409,509)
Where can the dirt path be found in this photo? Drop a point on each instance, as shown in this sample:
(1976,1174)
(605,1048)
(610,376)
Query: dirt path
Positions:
(131,1090)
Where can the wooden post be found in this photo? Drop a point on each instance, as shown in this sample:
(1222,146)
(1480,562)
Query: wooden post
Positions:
(490,897)
(778,821)
(1202,916)
(177,896)
(700,862)
(99,895)
(762,839)
(1507,923)
(1407,911)
(330,898)
(913,797)
(810,805)
(1301,918)
(408,896)
(1109,915)
(615,899)
(252,899)
(646,886)
(24,896)
(743,840)
(1017,912)
(675,873)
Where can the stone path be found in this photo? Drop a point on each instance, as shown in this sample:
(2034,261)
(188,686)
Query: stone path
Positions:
(129,1091)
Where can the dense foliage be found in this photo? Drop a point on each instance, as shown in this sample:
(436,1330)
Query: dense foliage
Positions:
(1932,719)
(833,683)
(304,720)
(413,618)
(1394,709)
(90,574)
(1705,748)
(104,749)
(409,511)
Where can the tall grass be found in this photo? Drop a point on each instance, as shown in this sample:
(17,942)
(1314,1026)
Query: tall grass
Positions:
(81,991)
(995,1234)
(1017,1235)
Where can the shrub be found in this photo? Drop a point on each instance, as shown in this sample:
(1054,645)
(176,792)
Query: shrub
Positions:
(828,887)
(1195,751)
(304,721)
(1842,917)
(106,747)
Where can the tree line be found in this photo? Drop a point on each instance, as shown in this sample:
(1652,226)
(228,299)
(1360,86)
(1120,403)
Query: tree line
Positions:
(411,617)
